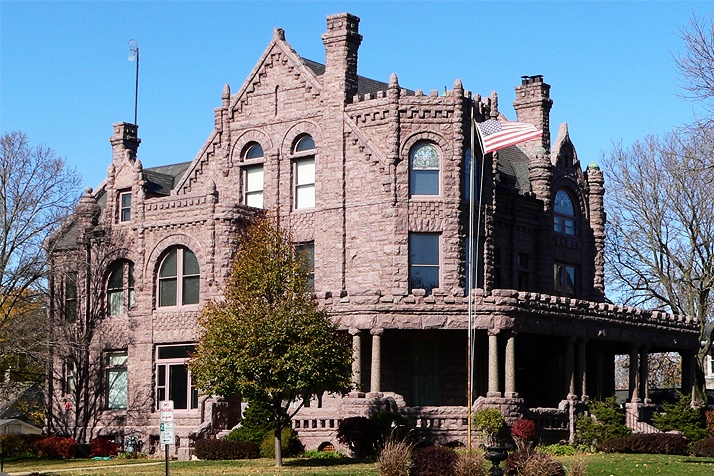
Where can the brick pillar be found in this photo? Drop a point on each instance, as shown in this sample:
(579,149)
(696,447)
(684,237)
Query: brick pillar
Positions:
(375,381)
(510,388)
(493,377)
(533,105)
(634,374)
(582,368)
(356,358)
(125,139)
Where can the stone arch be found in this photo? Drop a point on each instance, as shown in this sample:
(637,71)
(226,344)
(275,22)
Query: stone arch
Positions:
(253,135)
(437,139)
(298,129)
(151,266)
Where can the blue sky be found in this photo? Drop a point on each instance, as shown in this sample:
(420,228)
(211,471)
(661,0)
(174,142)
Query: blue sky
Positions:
(65,77)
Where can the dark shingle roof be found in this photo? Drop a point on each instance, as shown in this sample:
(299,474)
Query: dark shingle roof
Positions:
(161,180)
(364,85)
(512,161)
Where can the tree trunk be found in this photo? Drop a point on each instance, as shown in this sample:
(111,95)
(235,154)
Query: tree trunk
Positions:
(699,392)
(278,447)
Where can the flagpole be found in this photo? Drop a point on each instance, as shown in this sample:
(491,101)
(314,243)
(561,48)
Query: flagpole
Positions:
(470,246)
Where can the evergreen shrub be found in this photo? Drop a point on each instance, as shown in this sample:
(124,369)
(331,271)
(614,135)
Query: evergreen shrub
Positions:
(290,444)
(224,449)
(681,416)
(360,435)
(607,422)
(14,445)
(256,423)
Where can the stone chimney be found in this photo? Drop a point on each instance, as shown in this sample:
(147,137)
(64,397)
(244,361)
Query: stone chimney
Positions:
(533,105)
(124,139)
(342,41)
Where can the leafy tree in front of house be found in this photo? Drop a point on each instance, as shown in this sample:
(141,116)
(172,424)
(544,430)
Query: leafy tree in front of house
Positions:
(266,339)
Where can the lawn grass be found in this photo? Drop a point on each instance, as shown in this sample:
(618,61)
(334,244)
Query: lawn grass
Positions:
(598,465)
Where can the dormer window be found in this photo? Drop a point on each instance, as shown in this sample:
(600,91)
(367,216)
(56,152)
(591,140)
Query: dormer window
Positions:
(125,206)
(564,216)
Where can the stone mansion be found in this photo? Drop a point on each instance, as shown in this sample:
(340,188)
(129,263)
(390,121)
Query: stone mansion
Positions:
(370,179)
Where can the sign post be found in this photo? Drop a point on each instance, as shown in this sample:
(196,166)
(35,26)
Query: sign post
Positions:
(166,428)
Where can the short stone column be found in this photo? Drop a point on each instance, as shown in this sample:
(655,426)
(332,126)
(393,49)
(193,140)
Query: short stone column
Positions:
(582,368)
(493,377)
(376,372)
(645,373)
(570,366)
(510,390)
(356,359)
(634,374)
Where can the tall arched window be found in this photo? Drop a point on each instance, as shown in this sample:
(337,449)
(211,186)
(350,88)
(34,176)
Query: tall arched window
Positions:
(120,288)
(179,278)
(304,172)
(424,169)
(564,216)
(253,176)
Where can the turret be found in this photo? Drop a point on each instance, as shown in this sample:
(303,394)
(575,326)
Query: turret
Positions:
(125,139)
(533,105)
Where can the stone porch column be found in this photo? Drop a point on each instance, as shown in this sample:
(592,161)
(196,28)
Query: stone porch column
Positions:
(493,377)
(376,377)
(645,373)
(511,366)
(570,366)
(687,371)
(582,368)
(634,374)
(356,359)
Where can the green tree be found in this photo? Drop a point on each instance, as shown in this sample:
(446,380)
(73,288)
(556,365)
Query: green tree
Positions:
(266,339)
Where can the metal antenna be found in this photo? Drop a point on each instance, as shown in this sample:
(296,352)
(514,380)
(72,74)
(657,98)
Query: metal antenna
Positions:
(134,55)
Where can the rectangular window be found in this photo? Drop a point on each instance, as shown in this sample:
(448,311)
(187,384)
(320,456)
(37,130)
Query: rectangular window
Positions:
(307,250)
(70,296)
(305,183)
(70,378)
(173,379)
(125,206)
(523,274)
(424,261)
(564,280)
(117,380)
(254,186)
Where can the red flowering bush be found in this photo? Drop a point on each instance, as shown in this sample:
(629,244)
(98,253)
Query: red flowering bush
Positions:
(523,429)
(103,447)
(56,447)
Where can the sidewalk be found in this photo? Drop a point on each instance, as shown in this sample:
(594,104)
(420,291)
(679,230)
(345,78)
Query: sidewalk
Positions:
(64,470)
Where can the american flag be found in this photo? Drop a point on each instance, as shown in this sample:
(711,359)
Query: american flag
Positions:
(497,135)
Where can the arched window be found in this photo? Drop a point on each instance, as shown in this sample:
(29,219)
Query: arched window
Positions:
(120,288)
(253,177)
(179,278)
(564,217)
(424,169)
(304,173)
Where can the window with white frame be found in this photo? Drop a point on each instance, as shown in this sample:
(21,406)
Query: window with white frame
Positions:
(253,180)
(424,261)
(179,278)
(424,169)
(564,213)
(70,296)
(565,280)
(304,172)
(125,206)
(120,288)
(117,380)
(70,377)
(173,378)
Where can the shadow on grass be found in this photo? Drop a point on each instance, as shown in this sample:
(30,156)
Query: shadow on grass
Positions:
(302,462)
(698,461)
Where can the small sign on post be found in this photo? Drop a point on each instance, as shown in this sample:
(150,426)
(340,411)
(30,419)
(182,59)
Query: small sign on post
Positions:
(166,427)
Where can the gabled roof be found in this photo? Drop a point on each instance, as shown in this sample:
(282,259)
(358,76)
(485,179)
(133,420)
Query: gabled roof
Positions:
(514,162)
(364,85)
(161,180)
